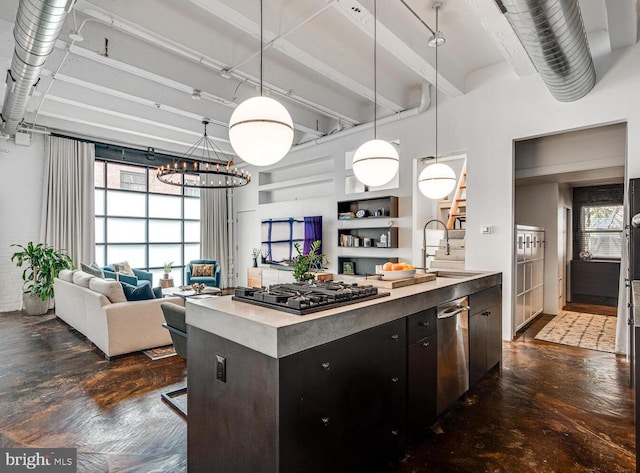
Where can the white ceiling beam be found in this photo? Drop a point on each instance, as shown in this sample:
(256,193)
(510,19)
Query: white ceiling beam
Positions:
(622,22)
(236,19)
(209,62)
(158,79)
(500,31)
(360,16)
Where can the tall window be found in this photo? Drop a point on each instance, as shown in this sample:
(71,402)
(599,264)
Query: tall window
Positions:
(144,221)
(601,230)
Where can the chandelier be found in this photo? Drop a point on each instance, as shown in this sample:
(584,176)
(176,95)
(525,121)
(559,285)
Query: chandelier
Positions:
(205,166)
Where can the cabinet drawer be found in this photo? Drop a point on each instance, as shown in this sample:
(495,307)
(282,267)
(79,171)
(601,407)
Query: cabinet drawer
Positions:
(484,299)
(334,360)
(422,324)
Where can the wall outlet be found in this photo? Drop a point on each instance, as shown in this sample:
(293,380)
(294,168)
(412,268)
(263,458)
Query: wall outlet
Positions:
(486,229)
(221,368)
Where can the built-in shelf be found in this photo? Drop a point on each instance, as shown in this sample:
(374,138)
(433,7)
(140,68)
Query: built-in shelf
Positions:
(375,207)
(363,264)
(368,237)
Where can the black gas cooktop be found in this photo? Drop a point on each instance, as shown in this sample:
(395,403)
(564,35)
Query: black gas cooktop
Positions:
(302,299)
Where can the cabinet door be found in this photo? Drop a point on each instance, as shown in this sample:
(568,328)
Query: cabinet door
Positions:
(494,336)
(422,388)
(477,347)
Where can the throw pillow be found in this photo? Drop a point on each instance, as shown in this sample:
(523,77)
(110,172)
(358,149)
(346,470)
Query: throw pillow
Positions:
(66,274)
(157,291)
(110,288)
(123,268)
(142,292)
(81,278)
(91,270)
(199,270)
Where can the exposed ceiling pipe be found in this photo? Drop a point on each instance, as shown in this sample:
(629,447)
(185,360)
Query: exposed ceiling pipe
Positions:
(552,33)
(38,24)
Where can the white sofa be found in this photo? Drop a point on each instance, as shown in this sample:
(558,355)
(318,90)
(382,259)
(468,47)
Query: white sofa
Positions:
(98,309)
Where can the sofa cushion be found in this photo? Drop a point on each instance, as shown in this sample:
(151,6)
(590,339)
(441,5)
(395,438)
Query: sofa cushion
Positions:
(81,278)
(91,269)
(110,288)
(157,292)
(66,274)
(137,293)
(201,270)
(123,267)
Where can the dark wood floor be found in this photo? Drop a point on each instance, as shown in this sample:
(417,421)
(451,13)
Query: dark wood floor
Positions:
(551,408)
(591,308)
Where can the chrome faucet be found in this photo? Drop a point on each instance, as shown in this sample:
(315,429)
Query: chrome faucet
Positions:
(424,240)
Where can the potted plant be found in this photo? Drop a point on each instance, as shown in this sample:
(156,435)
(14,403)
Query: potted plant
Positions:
(42,265)
(304,265)
(254,254)
(167,269)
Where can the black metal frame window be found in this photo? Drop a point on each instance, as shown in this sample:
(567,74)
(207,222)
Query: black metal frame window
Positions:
(601,228)
(144,221)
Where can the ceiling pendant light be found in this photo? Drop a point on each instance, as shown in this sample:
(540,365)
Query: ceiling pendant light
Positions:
(375,162)
(436,180)
(260,128)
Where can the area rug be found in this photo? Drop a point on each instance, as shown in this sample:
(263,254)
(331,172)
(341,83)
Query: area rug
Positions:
(160,352)
(596,332)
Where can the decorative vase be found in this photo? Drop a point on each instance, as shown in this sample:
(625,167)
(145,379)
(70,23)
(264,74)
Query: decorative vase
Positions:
(34,305)
(166,275)
(255,262)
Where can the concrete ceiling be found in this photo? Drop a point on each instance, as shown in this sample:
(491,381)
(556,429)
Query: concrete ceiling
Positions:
(132,78)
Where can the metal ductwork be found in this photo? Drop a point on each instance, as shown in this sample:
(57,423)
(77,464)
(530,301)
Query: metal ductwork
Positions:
(552,33)
(38,24)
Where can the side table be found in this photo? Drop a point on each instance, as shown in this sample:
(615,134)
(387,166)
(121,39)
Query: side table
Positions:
(166,282)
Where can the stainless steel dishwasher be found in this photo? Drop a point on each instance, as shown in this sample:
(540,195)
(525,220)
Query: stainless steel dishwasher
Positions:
(453,352)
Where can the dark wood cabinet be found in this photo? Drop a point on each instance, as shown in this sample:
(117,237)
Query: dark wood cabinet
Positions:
(485,333)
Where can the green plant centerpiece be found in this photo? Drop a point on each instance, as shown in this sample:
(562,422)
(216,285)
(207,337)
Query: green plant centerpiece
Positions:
(305,265)
(167,269)
(42,264)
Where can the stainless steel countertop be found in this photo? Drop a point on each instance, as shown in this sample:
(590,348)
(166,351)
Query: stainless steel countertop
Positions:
(278,334)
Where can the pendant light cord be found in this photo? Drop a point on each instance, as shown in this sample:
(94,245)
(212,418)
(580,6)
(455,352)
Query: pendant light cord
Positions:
(261,47)
(375,69)
(437,46)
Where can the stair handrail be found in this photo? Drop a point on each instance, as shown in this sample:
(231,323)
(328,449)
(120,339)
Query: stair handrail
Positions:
(455,204)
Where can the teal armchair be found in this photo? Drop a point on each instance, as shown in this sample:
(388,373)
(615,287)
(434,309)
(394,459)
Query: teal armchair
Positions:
(213,281)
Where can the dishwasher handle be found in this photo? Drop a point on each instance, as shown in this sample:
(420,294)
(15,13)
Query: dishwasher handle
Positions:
(445,314)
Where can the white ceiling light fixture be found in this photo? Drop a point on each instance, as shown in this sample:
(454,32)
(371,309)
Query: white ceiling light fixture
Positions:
(260,128)
(436,180)
(75,35)
(375,162)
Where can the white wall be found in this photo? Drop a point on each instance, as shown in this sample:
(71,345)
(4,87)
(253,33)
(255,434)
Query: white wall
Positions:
(20,204)
(537,205)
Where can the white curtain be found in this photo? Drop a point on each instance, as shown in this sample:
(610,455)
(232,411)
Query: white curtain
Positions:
(214,231)
(68,198)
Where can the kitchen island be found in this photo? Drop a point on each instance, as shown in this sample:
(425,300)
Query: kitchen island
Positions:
(343,389)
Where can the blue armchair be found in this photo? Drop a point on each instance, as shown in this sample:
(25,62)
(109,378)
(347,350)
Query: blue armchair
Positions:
(213,281)
(140,276)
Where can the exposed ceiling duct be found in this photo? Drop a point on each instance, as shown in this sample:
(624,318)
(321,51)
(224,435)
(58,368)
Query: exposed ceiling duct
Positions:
(553,34)
(38,24)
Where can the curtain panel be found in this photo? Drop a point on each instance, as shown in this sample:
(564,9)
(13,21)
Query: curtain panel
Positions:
(214,230)
(68,198)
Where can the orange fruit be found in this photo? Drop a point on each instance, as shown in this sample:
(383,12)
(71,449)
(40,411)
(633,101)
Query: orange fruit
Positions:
(405,265)
(410,267)
(397,267)
(387,266)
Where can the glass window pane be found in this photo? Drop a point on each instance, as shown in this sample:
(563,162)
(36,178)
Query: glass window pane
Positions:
(100,255)
(122,176)
(126,204)
(165,206)
(601,230)
(126,230)
(156,185)
(99,204)
(165,231)
(192,231)
(134,254)
(602,217)
(191,252)
(192,208)
(99,230)
(98,174)
(160,254)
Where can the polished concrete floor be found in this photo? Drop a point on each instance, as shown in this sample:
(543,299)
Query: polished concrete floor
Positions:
(550,408)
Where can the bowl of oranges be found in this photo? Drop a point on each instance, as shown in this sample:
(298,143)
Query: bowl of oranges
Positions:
(394,271)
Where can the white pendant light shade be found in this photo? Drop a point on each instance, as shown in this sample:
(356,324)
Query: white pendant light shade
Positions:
(375,162)
(436,181)
(261,131)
